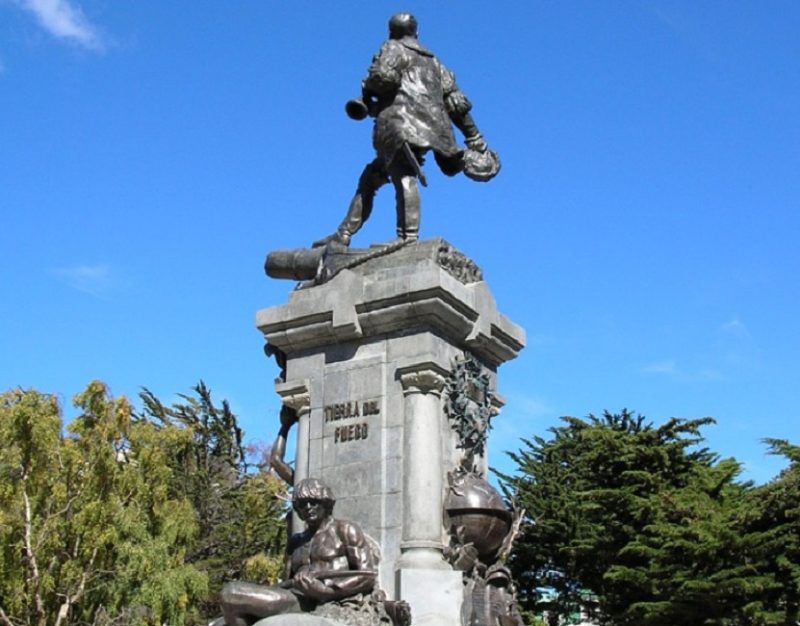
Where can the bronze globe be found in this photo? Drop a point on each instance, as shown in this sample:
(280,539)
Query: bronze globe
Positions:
(476,508)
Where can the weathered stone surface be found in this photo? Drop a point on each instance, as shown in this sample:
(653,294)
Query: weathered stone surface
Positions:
(391,294)
(297,619)
(372,349)
(434,595)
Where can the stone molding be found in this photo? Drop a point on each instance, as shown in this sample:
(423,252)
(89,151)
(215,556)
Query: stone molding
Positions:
(415,544)
(423,378)
(295,395)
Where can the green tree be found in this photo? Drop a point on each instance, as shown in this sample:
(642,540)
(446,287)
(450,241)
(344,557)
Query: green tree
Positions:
(770,518)
(639,514)
(89,532)
(239,512)
(687,565)
(213,457)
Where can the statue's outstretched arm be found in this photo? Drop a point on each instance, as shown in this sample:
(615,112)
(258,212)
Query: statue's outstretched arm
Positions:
(278,451)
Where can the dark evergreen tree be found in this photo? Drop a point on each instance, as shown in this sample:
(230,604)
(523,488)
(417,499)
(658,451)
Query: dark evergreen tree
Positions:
(642,515)
(687,565)
(214,457)
(239,513)
(770,518)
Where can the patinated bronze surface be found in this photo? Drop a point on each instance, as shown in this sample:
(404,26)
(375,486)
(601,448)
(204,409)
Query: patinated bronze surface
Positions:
(482,532)
(414,99)
(476,513)
(468,404)
(277,453)
(331,560)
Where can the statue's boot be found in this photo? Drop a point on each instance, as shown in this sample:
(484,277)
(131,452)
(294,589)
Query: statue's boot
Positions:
(408,205)
(342,238)
(372,178)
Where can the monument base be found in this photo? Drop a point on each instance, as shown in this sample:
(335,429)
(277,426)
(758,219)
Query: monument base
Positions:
(389,360)
(435,595)
(297,619)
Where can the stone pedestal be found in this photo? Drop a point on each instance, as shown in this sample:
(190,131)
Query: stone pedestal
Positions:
(435,595)
(296,619)
(368,354)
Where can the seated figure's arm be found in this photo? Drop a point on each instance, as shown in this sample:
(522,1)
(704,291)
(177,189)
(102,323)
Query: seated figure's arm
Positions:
(360,557)
(360,554)
(342,583)
(290,567)
(287,567)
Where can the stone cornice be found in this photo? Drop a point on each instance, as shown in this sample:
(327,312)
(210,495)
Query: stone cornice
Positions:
(295,395)
(402,295)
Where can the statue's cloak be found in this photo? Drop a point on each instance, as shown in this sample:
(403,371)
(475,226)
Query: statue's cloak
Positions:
(411,86)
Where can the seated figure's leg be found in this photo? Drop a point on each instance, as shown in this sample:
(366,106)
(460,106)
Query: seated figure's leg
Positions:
(243,603)
(406,194)
(372,178)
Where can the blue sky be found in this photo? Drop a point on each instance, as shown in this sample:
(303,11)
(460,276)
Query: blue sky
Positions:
(643,229)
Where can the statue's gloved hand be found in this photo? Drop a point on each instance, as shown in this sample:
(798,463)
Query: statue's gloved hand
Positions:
(312,587)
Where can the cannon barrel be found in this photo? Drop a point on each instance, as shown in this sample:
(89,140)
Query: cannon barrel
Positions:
(297,264)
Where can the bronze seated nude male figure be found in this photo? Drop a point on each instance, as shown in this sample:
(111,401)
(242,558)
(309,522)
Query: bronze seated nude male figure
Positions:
(414,100)
(331,560)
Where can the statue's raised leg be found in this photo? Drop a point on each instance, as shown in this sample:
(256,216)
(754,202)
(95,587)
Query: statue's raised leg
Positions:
(372,178)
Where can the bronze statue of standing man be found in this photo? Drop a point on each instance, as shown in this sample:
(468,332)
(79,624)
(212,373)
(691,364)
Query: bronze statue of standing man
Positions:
(414,100)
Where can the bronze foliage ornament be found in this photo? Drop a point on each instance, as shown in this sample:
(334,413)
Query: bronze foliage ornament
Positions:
(468,404)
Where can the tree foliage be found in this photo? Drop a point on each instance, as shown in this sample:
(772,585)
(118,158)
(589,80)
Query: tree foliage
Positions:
(240,514)
(89,531)
(126,518)
(770,518)
(654,524)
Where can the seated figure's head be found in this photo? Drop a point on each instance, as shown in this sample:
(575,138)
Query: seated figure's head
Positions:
(402,25)
(313,500)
